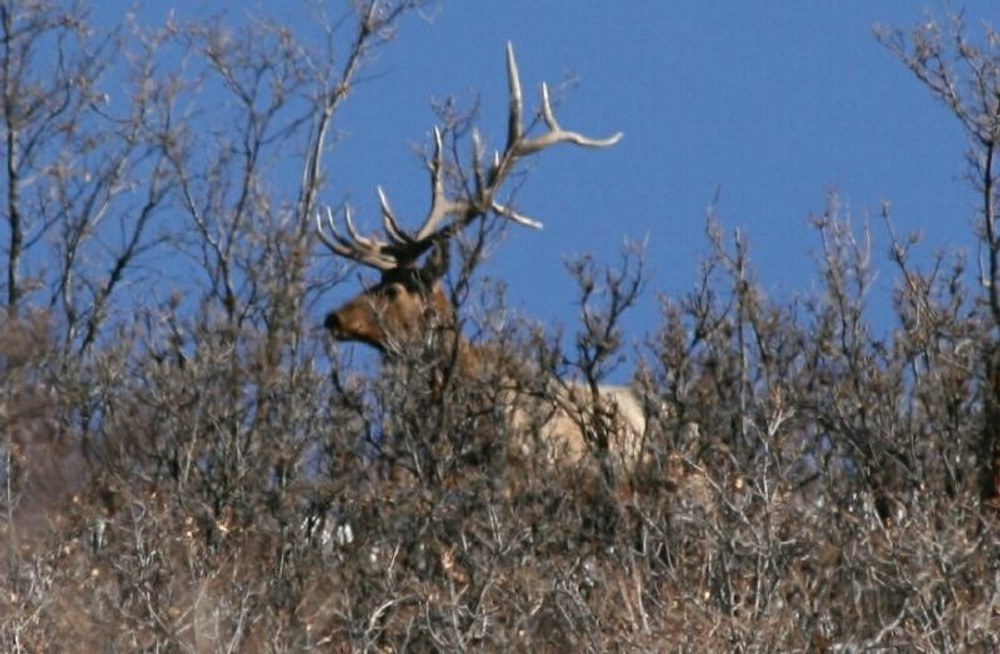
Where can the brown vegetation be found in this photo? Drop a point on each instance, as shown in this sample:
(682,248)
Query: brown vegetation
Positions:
(557,423)
(204,470)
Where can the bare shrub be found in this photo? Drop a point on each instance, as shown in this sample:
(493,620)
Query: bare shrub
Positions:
(203,469)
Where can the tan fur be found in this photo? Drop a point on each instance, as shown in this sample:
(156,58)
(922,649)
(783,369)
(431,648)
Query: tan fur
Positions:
(571,411)
(548,427)
(408,303)
(397,309)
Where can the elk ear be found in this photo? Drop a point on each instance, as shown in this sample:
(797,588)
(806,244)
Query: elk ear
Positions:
(436,265)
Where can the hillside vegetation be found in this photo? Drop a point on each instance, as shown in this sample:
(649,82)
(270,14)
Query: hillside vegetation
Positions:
(199,467)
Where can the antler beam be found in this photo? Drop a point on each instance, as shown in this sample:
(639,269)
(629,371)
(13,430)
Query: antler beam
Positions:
(404,248)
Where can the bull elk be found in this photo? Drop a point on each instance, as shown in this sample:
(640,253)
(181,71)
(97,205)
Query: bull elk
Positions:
(409,300)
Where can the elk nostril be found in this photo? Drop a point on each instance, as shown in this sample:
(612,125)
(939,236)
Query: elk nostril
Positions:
(332,322)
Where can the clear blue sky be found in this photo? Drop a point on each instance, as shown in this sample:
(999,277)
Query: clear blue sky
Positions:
(776,103)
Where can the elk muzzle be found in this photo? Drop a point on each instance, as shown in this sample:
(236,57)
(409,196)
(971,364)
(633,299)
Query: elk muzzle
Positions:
(356,321)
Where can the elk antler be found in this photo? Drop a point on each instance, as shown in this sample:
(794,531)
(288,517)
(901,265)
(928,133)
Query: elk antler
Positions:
(403,248)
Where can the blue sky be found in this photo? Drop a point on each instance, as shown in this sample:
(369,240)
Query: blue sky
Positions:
(774,103)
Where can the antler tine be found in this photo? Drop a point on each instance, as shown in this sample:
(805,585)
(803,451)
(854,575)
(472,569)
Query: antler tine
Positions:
(403,247)
(511,214)
(557,134)
(355,235)
(363,250)
(518,145)
(477,161)
(334,244)
(441,205)
(514,124)
(392,228)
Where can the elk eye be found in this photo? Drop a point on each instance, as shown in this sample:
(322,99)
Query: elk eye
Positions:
(392,291)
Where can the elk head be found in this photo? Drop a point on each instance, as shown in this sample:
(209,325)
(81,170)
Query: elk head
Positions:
(405,303)
(409,298)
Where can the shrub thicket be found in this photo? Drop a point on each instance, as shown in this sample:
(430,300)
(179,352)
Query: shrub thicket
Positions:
(206,472)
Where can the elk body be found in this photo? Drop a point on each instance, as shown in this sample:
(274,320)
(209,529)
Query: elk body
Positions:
(409,302)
